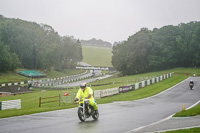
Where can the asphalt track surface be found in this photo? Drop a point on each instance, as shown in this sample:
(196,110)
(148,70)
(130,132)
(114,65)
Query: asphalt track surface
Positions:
(117,117)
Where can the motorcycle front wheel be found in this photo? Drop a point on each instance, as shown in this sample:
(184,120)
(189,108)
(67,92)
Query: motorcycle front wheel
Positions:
(81,115)
(95,116)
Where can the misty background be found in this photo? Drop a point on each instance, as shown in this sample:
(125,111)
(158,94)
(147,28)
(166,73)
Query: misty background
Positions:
(109,20)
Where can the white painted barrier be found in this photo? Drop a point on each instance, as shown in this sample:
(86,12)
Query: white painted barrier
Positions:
(153,80)
(148,82)
(157,79)
(136,86)
(104,93)
(161,78)
(143,83)
(97,94)
(109,92)
(113,91)
(11,104)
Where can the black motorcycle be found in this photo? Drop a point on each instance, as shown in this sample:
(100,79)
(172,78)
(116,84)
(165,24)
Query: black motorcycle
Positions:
(85,110)
(191,85)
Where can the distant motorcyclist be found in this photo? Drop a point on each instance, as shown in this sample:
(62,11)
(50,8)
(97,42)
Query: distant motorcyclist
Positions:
(191,84)
(86,92)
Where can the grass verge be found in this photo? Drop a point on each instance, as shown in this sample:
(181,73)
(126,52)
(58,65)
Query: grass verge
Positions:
(190,130)
(190,112)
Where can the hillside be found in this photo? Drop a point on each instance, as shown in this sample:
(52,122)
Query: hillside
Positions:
(95,42)
(97,56)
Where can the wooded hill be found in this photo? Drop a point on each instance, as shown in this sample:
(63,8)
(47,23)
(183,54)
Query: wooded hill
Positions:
(35,46)
(159,49)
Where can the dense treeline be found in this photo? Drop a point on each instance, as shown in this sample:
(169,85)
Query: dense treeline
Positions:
(35,46)
(164,48)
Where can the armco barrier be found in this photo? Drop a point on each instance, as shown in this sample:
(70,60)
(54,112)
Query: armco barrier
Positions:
(109,92)
(50,84)
(97,94)
(10,84)
(143,84)
(11,104)
(133,87)
(123,89)
(136,86)
(104,93)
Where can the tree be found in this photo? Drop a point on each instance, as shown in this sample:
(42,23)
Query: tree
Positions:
(164,48)
(8,61)
(38,46)
(188,43)
(131,56)
(164,53)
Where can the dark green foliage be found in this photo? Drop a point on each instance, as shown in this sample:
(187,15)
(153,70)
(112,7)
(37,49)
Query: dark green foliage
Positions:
(8,61)
(164,48)
(36,46)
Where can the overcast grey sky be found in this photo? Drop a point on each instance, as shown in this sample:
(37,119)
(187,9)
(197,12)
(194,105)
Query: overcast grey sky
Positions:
(109,20)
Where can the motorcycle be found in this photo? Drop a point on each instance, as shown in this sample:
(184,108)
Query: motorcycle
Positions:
(191,86)
(85,110)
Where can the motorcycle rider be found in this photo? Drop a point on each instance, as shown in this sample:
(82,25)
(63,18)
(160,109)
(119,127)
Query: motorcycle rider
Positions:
(191,84)
(86,92)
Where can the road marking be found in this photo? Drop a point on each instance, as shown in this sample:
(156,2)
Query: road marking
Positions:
(162,91)
(167,118)
(176,129)
(139,128)
(193,105)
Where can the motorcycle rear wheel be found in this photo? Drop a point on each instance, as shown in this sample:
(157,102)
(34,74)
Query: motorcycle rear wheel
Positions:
(191,87)
(81,115)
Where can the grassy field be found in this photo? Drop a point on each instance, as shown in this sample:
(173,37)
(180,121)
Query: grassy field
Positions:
(8,77)
(30,102)
(97,56)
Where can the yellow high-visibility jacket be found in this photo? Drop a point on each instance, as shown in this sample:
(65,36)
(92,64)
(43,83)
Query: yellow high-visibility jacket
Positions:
(86,93)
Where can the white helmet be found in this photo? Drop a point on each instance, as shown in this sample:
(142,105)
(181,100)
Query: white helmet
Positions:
(83,85)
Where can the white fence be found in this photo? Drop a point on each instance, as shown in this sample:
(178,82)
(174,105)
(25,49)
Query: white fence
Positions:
(11,104)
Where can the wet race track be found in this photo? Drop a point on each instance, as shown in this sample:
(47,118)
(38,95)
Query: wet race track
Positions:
(115,117)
